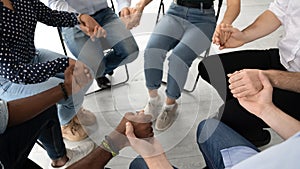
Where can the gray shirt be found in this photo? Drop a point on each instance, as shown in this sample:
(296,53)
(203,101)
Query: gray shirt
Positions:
(3,116)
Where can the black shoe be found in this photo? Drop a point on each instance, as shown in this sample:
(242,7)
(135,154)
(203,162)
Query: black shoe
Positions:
(103,82)
(259,138)
(110,73)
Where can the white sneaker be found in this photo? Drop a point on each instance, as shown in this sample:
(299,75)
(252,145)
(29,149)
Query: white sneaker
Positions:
(153,107)
(166,118)
(77,153)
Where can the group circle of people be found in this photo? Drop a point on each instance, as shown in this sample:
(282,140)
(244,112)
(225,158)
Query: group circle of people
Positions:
(262,86)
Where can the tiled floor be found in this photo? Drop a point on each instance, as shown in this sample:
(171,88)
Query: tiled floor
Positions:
(110,105)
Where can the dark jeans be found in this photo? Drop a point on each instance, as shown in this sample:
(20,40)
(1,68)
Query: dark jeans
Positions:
(214,69)
(17,141)
(213,136)
(139,163)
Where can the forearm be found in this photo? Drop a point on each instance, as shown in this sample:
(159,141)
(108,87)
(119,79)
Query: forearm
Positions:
(232,11)
(100,157)
(285,125)
(142,4)
(265,24)
(95,160)
(284,80)
(158,162)
(22,110)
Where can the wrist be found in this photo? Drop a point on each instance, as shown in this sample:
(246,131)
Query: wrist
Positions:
(64,91)
(79,18)
(119,140)
(139,7)
(267,110)
(159,161)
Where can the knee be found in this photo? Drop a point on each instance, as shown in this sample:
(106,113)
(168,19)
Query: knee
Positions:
(205,130)
(130,50)
(138,163)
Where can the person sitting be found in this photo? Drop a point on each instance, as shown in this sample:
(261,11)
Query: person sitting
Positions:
(193,24)
(276,64)
(26,71)
(117,37)
(222,147)
(22,124)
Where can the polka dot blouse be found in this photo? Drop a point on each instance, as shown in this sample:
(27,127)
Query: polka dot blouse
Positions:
(17,41)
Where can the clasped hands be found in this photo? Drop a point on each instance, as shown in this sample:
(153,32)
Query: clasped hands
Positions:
(251,87)
(91,27)
(131,16)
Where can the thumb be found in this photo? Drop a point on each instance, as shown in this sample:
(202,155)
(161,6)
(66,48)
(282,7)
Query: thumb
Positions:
(129,131)
(264,80)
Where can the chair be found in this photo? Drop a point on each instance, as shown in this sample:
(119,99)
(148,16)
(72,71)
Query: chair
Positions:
(65,52)
(206,53)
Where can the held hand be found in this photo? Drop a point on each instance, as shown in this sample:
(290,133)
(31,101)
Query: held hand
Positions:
(236,38)
(257,103)
(91,27)
(145,147)
(142,127)
(132,17)
(77,75)
(245,82)
(220,37)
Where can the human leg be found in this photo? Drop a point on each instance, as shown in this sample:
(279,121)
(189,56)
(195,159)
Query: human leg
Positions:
(17,142)
(160,42)
(198,27)
(213,136)
(139,163)
(214,70)
(67,109)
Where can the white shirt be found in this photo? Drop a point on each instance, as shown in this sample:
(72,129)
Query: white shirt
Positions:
(288,12)
(89,7)
(285,155)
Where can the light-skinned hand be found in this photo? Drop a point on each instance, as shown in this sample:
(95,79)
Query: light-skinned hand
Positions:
(244,82)
(256,104)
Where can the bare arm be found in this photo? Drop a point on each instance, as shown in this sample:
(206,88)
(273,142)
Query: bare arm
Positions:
(100,157)
(232,11)
(261,105)
(284,79)
(265,24)
(285,125)
(22,110)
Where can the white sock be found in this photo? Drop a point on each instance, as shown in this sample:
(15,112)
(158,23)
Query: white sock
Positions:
(169,106)
(155,99)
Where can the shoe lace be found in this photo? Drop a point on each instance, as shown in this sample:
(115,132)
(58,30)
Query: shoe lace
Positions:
(74,128)
(164,115)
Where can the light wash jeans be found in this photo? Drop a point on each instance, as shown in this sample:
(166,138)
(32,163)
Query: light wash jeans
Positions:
(118,38)
(66,108)
(214,136)
(188,32)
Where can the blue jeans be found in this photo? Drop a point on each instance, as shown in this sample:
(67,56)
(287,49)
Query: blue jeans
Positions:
(188,32)
(118,38)
(213,136)
(66,108)
(17,141)
(139,163)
